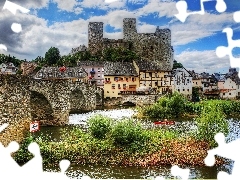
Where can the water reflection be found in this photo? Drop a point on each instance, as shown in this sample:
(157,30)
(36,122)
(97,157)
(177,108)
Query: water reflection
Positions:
(121,172)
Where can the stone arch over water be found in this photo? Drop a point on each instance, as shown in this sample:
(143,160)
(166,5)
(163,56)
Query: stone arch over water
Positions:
(41,109)
(129,103)
(99,100)
(77,101)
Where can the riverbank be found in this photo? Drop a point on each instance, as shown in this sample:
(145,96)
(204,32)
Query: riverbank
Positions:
(122,144)
(177,106)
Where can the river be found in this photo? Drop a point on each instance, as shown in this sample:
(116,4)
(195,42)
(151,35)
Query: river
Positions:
(117,172)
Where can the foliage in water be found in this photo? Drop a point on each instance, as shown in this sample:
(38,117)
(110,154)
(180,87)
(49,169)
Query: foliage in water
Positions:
(100,126)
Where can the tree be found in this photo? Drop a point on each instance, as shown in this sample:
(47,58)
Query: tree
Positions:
(52,56)
(177,65)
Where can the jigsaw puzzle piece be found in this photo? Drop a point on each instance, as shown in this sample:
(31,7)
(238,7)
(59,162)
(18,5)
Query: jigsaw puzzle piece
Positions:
(221,6)
(222,51)
(223,176)
(5,125)
(183,173)
(9,164)
(35,164)
(182,9)
(226,150)
(236,16)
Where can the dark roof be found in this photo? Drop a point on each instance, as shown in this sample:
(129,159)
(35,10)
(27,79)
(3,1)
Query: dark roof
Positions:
(54,72)
(90,63)
(146,65)
(219,77)
(175,71)
(119,69)
(233,75)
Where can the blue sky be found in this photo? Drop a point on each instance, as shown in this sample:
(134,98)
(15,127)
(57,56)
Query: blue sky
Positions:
(63,24)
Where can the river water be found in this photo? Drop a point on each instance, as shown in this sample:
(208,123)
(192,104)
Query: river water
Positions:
(116,172)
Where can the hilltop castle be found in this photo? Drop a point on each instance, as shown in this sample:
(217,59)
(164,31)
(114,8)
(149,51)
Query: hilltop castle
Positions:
(149,46)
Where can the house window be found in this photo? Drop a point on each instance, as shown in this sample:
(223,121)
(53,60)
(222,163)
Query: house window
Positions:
(98,69)
(113,86)
(102,70)
(126,79)
(188,90)
(223,93)
(99,75)
(133,79)
(229,93)
(196,82)
(119,86)
(115,78)
(183,89)
(98,81)
(124,86)
(178,90)
(107,91)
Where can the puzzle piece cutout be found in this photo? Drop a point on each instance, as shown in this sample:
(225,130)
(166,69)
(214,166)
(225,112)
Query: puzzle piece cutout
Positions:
(182,9)
(236,16)
(32,169)
(12,7)
(183,173)
(226,150)
(222,51)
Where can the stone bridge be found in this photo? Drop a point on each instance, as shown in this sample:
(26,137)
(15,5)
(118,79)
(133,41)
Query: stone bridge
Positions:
(49,101)
(139,99)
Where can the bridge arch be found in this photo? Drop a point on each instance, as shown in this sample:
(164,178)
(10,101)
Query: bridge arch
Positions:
(77,101)
(99,100)
(129,103)
(41,108)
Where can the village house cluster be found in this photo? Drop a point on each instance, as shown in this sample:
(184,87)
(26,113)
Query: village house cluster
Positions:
(153,73)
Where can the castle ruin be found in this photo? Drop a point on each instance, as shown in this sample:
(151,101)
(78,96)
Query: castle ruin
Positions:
(149,46)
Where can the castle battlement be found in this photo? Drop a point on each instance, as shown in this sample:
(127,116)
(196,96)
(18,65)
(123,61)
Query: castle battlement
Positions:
(151,46)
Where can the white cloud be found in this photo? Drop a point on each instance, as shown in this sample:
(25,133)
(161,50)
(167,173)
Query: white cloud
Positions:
(202,61)
(66,5)
(197,27)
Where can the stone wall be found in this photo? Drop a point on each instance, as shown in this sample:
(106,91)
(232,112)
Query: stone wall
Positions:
(95,36)
(139,100)
(151,46)
(108,102)
(14,98)
(24,98)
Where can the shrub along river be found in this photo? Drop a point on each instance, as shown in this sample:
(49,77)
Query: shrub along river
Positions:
(185,125)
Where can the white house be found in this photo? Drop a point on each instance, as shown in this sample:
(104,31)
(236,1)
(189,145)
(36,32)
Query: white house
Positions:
(8,68)
(228,90)
(182,81)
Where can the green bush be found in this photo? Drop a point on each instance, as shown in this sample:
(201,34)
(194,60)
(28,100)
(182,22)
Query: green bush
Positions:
(211,121)
(126,132)
(23,155)
(100,126)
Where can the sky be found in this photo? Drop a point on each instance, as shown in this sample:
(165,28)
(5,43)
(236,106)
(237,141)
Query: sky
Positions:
(64,24)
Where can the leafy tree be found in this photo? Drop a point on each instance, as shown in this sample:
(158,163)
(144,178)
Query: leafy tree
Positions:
(9,58)
(52,56)
(177,65)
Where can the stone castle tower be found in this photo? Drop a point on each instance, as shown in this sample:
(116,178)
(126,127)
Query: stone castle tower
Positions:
(149,46)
